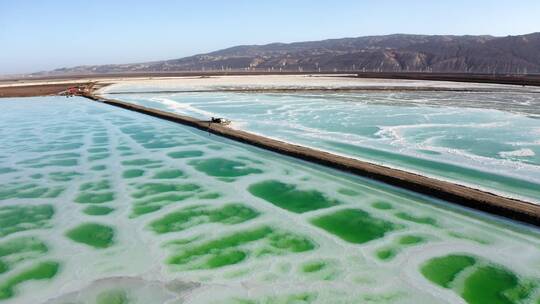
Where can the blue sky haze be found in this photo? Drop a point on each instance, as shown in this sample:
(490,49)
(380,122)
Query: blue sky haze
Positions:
(39,35)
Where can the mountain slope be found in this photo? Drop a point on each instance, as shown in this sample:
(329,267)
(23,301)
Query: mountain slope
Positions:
(390,53)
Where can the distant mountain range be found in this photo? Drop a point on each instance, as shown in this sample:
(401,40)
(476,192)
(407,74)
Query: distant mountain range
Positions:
(390,53)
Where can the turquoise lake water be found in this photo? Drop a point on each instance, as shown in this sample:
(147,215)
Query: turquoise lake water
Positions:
(485,140)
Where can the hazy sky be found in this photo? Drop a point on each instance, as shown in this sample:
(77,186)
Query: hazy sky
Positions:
(46,34)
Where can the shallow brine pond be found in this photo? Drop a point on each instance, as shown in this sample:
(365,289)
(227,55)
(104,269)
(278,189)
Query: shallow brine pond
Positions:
(483,139)
(102,205)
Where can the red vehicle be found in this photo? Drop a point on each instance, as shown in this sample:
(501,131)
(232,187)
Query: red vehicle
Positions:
(72,91)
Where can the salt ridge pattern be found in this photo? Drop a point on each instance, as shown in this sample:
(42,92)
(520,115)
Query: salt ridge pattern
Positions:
(101,205)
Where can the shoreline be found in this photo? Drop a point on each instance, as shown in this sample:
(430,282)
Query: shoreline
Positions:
(510,208)
(394,82)
(325,90)
(36,89)
(516,80)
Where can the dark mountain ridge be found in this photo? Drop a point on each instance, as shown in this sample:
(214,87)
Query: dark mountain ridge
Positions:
(389,53)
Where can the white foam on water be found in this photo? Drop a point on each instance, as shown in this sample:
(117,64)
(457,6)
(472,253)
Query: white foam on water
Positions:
(305,118)
(517,153)
(181,107)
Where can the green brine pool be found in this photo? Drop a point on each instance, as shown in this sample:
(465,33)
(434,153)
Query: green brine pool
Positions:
(102,205)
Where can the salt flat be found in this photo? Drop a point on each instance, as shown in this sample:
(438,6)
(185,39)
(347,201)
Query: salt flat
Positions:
(289,82)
